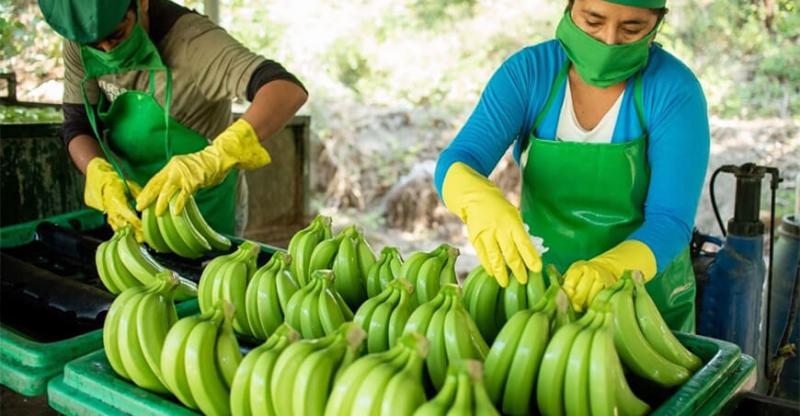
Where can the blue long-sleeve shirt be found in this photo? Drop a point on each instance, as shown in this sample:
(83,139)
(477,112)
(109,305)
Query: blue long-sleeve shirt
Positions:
(675,117)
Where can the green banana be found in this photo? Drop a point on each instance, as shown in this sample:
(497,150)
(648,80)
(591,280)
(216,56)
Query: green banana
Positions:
(629,404)
(349,282)
(483,307)
(405,393)
(154,316)
(324,254)
(383,271)
(303,244)
(131,354)
(216,240)
(152,234)
(370,392)
(658,334)
(515,298)
(102,271)
(634,350)
(436,362)
(310,322)
(191,236)
(228,355)
(173,366)
(428,279)
(364,312)
(175,242)
(521,381)
(550,394)
(378,329)
(576,375)
(117,271)
(205,381)
(366,256)
(501,355)
(401,312)
(284,281)
(234,284)
(261,402)
(268,312)
(602,397)
(330,313)
(111,329)
(209,276)
(421,317)
(130,254)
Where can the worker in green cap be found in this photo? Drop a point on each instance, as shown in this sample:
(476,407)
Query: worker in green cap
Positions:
(148,86)
(611,135)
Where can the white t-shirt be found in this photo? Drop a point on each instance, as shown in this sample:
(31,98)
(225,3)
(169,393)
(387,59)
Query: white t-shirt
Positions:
(571,131)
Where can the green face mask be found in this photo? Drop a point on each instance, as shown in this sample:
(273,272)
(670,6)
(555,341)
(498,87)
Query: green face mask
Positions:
(599,64)
(136,52)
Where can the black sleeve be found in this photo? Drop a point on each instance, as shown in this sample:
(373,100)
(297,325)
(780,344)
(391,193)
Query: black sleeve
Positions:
(269,71)
(76,122)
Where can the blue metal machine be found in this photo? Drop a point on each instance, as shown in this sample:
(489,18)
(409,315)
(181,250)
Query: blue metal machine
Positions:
(742,300)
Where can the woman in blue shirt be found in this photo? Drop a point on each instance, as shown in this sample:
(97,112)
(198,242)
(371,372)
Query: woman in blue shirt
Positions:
(611,133)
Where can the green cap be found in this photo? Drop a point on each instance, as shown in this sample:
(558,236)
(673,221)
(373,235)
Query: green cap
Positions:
(645,4)
(83,21)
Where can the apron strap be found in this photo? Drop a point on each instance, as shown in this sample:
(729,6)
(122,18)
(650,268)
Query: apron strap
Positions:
(167,102)
(556,86)
(91,115)
(638,98)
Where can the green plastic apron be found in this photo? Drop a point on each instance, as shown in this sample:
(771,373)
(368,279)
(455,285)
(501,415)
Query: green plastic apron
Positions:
(143,135)
(585,198)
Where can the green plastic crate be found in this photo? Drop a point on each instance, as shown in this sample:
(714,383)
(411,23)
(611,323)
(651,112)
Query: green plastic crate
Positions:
(27,365)
(90,387)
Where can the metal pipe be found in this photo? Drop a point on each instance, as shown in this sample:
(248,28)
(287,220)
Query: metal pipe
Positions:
(211,9)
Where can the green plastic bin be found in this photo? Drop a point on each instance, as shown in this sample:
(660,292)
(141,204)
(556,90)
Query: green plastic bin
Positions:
(90,387)
(26,365)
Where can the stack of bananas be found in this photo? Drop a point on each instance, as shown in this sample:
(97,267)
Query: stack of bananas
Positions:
(386,383)
(186,234)
(250,392)
(350,258)
(513,362)
(267,295)
(491,305)
(386,269)
(317,309)
(135,329)
(428,271)
(305,371)
(384,316)
(123,263)
(450,330)
(581,374)
(463,393)
(200,358)
(303,243)
(226,278)
(644,342)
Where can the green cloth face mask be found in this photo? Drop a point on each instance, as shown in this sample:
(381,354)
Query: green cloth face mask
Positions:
(135,52)
(597,63)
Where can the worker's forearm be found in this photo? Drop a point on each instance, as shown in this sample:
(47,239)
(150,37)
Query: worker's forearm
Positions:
(273,106)
(82,149)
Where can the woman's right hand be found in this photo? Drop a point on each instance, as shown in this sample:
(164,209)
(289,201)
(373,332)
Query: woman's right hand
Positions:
(105,191)
(494,225)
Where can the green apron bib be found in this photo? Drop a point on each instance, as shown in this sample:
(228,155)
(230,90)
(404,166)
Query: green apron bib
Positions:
(585,198)
(144,137)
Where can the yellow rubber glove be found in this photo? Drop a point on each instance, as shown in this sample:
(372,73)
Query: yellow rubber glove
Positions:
(494,226)
(585,279)
(183,175)
(104,191)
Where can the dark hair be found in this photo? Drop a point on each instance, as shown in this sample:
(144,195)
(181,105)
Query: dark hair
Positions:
(660,12)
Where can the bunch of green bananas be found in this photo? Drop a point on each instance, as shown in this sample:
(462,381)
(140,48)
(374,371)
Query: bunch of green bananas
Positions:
(305,372)
(350,258)
(250,392)
(644,342)
(450,330)
(491,305)
(317,309)
(386,383)
(123,263)
(512,364)
(267,295)
(428,271)
(186,234)
(226,278)
(386,269)
(200,358)
(135,330)
(581,373)
(303,243)
(463,393)
(384,316)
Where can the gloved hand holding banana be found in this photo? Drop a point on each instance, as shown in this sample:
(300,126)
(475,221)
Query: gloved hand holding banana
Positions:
(183,175)
(494,225)
(585,279)
(105,191)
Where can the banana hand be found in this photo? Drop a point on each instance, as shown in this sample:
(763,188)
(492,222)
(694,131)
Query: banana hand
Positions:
(585,279)
(105,191)
(494,225)
(237,146)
